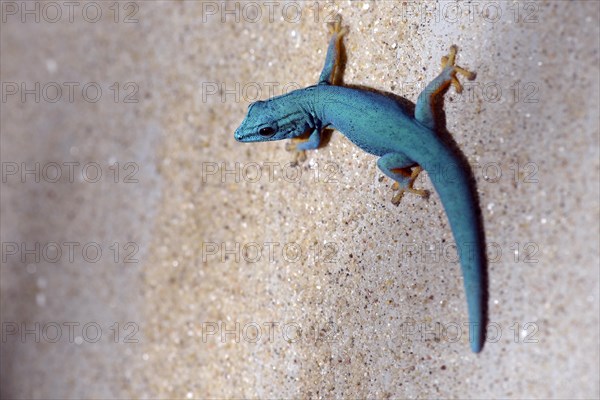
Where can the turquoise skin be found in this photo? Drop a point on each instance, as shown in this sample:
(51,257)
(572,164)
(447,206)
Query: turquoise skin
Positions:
(405,144)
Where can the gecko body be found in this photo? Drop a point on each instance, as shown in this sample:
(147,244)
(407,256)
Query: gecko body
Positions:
(405,143)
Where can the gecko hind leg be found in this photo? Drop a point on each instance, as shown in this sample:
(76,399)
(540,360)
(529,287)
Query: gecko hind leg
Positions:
(425,108)
(404,172)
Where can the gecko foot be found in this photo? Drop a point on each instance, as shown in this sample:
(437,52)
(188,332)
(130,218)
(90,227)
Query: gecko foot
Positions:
(409,186)
(299,155)
(450,61)
(336,27)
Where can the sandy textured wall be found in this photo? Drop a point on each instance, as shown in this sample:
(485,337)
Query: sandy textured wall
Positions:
(303,281)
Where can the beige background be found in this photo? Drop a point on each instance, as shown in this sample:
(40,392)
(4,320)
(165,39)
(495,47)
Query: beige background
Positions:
(376,290)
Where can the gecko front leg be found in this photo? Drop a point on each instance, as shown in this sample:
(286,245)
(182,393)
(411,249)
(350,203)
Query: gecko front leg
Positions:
(327,77)
(328,74)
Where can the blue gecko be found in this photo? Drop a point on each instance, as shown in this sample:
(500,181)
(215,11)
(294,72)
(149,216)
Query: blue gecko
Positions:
(405,143)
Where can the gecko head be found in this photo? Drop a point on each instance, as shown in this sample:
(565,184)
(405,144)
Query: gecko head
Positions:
(265,122)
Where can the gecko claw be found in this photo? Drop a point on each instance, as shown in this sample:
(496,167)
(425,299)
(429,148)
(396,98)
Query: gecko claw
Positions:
(398,198)
(291,146)
(420,192)
(300,157)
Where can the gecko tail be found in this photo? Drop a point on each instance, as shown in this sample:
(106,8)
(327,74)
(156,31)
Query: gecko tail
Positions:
(455,186)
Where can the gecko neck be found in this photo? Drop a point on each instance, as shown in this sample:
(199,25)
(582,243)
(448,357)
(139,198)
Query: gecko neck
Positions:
(325,100)
(298,108)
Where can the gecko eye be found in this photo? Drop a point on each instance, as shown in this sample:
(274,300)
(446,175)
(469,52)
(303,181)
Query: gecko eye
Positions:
(266,132)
